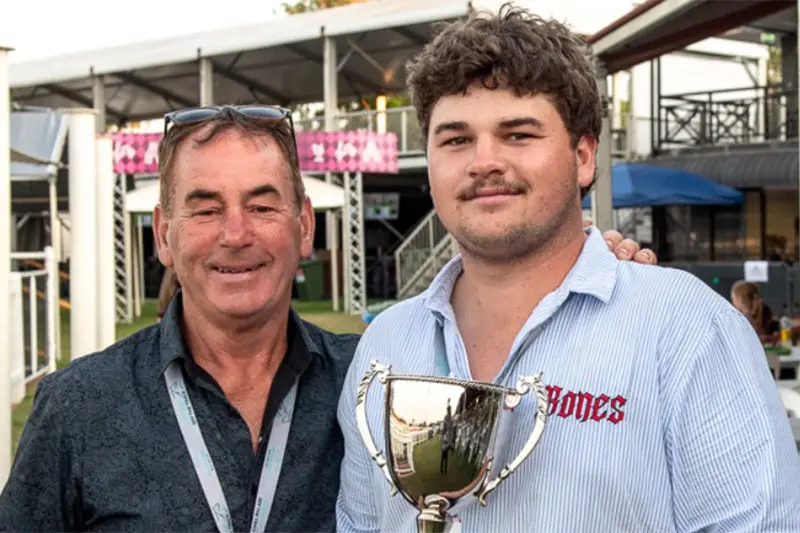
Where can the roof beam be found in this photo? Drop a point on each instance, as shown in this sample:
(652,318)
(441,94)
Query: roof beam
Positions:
(410,35)
(312,56)
(78,98)
(691,34)
(166,94)
(250,83)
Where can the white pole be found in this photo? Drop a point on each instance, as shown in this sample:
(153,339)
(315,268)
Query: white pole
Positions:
(330,90)
(333,216)
(106,304)
(55,244)
(602,196)
(55,222)
(5,265)
(51,265)
(346,248)
(83,232)
(126,226)
(140,263)
(135,255)
(16,338)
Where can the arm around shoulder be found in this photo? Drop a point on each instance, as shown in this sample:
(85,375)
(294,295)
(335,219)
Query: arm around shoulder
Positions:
(41,491)
(733,459)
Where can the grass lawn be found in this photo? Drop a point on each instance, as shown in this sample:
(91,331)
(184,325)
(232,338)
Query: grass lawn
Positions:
(427,457)
(318,313)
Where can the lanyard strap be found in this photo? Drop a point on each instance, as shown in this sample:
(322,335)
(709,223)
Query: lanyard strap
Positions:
(204,466)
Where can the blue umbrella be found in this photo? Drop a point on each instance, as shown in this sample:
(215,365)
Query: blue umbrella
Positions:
(641,185)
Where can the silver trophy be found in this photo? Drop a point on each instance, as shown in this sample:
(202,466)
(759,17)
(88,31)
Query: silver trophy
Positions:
(440,435)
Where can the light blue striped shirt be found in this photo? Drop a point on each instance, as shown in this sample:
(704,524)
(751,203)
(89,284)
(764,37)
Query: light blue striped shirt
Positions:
(684,430)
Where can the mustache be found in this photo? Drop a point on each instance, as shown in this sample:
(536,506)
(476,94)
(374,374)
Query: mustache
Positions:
(471,190)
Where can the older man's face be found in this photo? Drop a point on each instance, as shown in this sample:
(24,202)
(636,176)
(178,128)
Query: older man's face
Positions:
(234,235)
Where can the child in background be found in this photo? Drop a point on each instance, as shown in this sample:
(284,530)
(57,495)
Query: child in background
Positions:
(169,286)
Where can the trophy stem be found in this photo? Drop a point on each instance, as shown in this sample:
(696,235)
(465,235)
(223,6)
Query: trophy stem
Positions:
(433,517)
(431,522)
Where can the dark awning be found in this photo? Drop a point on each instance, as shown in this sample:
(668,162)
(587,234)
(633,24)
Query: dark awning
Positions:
(766,167)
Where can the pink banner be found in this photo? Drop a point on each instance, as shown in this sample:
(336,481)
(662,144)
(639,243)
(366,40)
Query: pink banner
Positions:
(320,151)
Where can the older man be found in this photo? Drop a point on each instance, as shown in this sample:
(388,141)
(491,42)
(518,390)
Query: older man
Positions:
(223,416)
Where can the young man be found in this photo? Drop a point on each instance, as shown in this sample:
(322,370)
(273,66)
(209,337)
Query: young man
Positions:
(663,415)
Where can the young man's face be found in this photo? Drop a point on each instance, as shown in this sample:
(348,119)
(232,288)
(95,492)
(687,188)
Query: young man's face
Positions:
(503,172)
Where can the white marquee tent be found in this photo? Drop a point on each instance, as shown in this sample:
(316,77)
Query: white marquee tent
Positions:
(324,196)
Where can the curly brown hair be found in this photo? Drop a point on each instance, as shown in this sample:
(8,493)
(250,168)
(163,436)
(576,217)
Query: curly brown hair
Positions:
(248,127)
(514,50)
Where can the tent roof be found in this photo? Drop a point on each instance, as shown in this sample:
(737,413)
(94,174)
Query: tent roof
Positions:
(323,196)
(657,27)
(37,143)
(276,61)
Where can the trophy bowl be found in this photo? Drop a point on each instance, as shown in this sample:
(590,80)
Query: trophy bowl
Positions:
(440,437)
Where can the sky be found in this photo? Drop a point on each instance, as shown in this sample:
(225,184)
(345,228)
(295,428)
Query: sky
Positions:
(45,28)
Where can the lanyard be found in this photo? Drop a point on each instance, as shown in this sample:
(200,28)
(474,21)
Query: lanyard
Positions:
(204,466)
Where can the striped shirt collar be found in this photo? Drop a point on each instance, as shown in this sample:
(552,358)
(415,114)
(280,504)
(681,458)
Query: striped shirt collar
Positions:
(594,274)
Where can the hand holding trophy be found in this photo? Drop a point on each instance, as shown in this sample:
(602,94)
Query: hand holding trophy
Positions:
(440,437)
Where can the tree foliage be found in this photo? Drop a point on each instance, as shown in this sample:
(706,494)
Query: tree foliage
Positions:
(304,6)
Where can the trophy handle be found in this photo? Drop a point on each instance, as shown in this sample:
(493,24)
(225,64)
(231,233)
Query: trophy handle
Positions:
(375,369)
(523,387)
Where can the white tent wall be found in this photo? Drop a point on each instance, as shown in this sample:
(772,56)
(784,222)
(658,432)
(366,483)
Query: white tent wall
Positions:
(323,196)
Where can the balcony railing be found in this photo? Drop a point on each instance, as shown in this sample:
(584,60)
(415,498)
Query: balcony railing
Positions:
(401,121)
(730,116)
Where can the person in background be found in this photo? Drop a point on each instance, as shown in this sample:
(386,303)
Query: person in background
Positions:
(746,297)
(169,287)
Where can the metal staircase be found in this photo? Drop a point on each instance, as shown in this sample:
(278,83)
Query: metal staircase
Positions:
(420,257)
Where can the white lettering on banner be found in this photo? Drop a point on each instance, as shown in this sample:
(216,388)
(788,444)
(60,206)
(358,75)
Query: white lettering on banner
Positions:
(151,155)
(344,149)
(318,149)
(371,152)
(123,151)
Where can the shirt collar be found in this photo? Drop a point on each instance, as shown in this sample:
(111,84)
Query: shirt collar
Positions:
(594,274)
(172,346)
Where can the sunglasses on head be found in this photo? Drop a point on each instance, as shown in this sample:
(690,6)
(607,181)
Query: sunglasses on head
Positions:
(196,115)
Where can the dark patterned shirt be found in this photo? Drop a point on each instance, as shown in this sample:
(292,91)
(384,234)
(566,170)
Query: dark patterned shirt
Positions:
(102,450)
